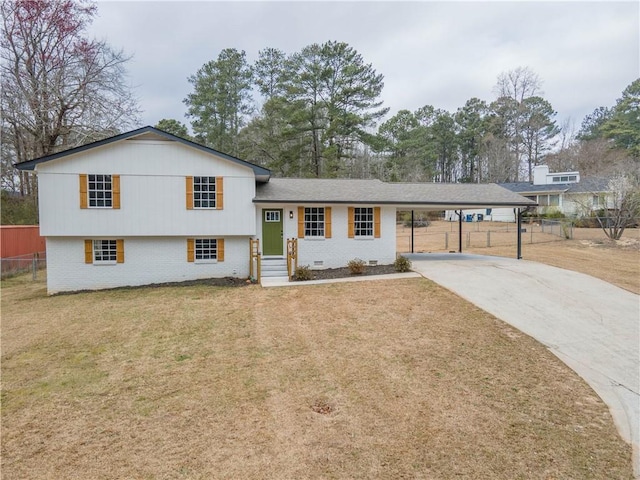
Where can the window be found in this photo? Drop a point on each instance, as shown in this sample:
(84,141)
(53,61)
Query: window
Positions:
(104,252)
(598,201)
(99,191)
(549,200)
(205,250)
(556,179)
(204,192)
(314,222)
(363,222)
(272,216)
(573,178)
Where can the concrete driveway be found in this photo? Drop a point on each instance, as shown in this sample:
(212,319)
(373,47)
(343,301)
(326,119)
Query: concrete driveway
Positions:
(589,324)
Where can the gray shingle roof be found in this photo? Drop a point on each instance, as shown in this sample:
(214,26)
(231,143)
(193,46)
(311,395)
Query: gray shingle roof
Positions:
(526,187)
(592,184)
(442,195)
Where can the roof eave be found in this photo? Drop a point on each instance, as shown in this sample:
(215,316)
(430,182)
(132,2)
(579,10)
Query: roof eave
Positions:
(31,164)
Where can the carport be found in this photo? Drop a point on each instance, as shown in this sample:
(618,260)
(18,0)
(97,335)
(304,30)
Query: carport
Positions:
(458,197)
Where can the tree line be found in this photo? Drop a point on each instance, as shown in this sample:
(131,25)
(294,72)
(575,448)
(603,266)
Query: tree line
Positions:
(317,112)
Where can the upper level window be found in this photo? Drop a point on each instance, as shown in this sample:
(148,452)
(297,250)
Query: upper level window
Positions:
(204,192)
(314,222)
(100,190)
(363,222)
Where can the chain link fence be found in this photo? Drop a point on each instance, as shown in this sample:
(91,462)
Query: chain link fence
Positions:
(32,262)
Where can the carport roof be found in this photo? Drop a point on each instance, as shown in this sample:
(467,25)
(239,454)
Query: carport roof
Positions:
(347,191)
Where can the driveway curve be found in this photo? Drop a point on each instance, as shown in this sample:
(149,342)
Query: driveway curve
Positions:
(591,325)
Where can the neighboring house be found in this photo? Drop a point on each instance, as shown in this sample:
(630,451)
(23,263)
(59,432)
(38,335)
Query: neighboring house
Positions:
(148,207)
(563,192)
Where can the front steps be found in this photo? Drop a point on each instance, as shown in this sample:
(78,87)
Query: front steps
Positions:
(273,267)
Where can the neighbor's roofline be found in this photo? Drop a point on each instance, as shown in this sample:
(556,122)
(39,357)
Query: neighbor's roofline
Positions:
(31,164)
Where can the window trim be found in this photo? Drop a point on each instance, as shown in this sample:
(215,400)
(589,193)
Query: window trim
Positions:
(90,251)
(85,191)
(218,192)
(192,250)
(351,230)
(316,225)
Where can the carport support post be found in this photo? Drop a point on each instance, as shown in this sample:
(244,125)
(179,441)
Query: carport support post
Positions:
(460,232)
(519,257)
(411,231)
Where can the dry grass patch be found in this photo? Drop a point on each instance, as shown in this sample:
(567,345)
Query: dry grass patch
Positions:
(396,379)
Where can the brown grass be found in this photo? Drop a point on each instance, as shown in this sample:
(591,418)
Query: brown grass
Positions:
(385,379)
(590,252)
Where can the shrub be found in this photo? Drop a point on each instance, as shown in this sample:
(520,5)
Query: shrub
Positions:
(303,273)
(356,266)
(402,264)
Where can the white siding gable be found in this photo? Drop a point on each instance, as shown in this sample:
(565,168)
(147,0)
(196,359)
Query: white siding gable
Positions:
(153,192)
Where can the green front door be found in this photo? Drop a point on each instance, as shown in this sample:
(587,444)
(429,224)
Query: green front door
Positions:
(272,232)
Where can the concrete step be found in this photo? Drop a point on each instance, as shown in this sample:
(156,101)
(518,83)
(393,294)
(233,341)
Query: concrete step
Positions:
(274,267)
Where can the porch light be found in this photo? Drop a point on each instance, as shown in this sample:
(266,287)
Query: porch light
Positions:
(291,214)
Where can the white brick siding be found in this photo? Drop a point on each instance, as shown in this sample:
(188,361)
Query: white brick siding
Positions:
(336,251)
(147,260)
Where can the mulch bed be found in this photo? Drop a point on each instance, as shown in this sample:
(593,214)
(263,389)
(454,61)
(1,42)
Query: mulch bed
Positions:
(344,272)
(326,274)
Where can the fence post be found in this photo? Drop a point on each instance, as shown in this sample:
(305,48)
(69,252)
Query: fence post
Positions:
(34,266)
(446,241)
(488,238)
(468,239)
(531,234)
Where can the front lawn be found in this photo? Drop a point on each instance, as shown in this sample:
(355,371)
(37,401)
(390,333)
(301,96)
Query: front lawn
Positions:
(383,379)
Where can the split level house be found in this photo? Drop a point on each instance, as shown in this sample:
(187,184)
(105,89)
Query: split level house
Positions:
(148,207)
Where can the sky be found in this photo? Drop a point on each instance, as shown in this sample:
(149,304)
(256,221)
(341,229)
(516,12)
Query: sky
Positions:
(430,53)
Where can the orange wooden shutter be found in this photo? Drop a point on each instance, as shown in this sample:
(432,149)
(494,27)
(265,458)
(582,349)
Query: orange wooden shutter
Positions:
(120,251)
(300,222)
(219,194)
(327,222)
(191,249)
(88,251)
(220,252)
(189,193)
(83,190)
(351,215)
(115,185)
(376,222)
